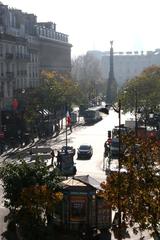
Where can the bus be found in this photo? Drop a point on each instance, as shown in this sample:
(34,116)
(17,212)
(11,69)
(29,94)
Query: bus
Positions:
(92,116)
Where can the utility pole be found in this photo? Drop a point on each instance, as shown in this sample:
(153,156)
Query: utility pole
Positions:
(66,126)
(118,110)
(66,134)
(119,174)
(136,120)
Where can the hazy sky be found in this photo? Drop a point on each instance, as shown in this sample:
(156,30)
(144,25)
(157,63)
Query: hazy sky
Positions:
(91,24)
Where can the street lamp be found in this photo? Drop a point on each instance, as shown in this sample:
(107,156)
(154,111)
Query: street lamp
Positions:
(136,120)
(68,124)
(135,97)
(118,110)
(66,133)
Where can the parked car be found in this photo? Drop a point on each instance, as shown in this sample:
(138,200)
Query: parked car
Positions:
(85,151)
(68,149)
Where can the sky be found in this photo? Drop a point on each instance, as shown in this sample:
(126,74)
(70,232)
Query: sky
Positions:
(133,25)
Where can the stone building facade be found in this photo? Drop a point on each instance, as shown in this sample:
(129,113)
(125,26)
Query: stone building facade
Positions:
(127,65)
(26,48)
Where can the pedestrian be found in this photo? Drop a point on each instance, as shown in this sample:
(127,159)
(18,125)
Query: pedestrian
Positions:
(59,160)
(70,127)
(31,152)
(69,121)
(106,149)
(109,141)
(53,155)
(57,129)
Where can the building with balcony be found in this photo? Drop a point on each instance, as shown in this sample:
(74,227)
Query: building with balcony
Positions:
(28,47)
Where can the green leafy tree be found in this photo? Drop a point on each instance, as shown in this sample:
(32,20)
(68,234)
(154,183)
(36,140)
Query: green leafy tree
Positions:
(144,89)
(54,93)
(56,89)
(136,192)
(30,193)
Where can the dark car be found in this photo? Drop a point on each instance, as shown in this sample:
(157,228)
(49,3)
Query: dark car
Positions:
(68,149)
(85,151)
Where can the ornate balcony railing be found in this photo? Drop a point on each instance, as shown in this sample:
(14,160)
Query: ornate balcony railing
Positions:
(25,57)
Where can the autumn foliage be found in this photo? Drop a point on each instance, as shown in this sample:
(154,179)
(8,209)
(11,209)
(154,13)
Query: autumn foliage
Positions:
(137,189)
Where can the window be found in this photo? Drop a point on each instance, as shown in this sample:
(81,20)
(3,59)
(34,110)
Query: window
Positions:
(17,69)
(2,69)
(12,67)
(78,208)
(1,50)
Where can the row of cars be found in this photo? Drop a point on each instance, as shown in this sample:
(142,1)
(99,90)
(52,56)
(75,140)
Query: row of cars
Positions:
(85,151)
(65,158)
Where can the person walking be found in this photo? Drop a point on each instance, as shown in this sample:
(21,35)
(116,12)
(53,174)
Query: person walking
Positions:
(70,127)
(106,148)
(59,160)
(69,121)
(57,129)
(53,155)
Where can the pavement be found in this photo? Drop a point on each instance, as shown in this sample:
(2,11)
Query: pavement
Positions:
(39,142)
(4,211)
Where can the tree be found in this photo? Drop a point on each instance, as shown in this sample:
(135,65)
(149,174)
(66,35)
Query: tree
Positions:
(30,193)
(56,90)
(145,88)
(137,191)
(86,70)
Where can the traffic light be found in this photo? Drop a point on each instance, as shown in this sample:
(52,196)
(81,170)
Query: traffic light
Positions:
(109,134)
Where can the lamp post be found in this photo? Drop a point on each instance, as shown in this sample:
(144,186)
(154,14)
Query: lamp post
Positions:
(66,133)
(133,93)
(68,123)
(118,110)
(66,113)
(119,173)
(136,120)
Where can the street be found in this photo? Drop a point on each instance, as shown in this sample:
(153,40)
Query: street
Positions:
(95,135)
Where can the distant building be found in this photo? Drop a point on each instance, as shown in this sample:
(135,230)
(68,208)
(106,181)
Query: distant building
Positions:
(127,64)
(26,48)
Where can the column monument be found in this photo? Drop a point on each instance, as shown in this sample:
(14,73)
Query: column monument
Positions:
(111,92)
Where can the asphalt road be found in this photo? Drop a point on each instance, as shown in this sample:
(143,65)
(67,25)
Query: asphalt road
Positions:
(95,135)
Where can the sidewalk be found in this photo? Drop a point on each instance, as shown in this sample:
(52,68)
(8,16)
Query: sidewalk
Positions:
(38,141)
(78,123)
